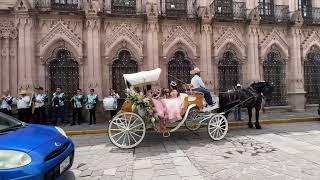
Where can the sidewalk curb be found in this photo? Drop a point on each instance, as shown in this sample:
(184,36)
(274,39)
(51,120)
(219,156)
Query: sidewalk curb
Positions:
(233,123)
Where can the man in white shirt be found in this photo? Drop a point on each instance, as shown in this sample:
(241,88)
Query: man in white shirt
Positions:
(5,103)
(198,85)
(40,99)
(23,105)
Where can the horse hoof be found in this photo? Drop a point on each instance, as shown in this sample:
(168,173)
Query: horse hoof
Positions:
(250,125)
(257,126)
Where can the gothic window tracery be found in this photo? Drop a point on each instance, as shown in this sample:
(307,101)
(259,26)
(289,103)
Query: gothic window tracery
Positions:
(274,69)
(124,64)
(229,69)
(312,77)
(179,68)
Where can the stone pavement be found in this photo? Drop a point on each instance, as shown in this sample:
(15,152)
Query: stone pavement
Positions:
(264,116)
(278,151)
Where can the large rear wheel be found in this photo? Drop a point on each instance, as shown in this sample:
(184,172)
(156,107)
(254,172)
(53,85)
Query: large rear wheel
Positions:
(126,130)
(217,127)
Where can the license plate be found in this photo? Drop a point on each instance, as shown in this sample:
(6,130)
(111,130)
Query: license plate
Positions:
(64,165)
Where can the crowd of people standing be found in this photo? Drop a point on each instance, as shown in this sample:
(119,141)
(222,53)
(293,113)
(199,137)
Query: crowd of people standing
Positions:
(33,109)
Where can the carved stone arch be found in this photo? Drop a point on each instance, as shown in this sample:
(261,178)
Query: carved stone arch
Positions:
(50,51)
(307,45)
(180,44)
(123,43)
(229,45)
(274,39)
(275,46)
(57,33)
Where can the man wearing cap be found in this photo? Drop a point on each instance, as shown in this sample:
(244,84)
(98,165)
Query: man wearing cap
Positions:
(5,103)
(198,85)
(237,111)
(40,99)
(23,106)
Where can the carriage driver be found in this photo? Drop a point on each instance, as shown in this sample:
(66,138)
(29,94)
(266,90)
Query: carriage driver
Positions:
(198,85)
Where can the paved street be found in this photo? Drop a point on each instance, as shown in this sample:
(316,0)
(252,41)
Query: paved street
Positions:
(279,151)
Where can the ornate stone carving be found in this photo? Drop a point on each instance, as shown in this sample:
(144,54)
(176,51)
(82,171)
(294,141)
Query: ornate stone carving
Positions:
(229,35)
(254,16)
(179,32)
(7,29)
(151,9)
(274,36)
(62,29)
(22,6)
(312,39)
(92,8)
(124,30)
(297,18)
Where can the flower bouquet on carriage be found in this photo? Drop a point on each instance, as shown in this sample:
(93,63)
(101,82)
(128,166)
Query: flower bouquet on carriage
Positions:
(141,111)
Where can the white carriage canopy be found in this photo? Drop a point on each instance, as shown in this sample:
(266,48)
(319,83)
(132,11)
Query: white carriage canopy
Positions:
(143,78)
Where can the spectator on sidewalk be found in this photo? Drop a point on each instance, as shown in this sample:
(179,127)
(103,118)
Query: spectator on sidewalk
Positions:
(6,102)
(91,102)
(40,99)
(77,102)
(23,106)
(116,97)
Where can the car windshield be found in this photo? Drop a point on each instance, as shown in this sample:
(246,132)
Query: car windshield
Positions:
(8,123)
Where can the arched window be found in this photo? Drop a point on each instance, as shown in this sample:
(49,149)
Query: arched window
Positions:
(176,8)
(312,77)
(229,71)
(64,73)
(124,64)
(179,67)
(274,70)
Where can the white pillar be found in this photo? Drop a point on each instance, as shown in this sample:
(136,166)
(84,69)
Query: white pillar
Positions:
(295,77)
(7,63)
(253,73)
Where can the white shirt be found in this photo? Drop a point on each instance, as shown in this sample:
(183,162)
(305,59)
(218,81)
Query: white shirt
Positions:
(39,100)
(5,105)
(23,102)
(197,82)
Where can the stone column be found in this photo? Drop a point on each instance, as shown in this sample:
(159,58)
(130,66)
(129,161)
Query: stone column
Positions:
(94,56)
(22,74)
(253,69)
(205,48)
(2,75)
(29,54)
(152,36)
(6,63)
(296,91)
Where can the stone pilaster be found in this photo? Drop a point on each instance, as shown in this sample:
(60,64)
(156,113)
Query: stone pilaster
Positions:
(295,77)
(152,36)
(253,69)
(93,27)
(205,48)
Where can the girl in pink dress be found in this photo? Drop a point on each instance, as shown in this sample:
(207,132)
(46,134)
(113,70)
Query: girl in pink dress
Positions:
(173,104)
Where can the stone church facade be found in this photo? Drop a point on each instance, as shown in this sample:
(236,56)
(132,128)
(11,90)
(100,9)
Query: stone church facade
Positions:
(91,43)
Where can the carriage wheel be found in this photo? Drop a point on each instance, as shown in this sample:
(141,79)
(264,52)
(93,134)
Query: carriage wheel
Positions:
(217,127)
(193,120)
(126,130)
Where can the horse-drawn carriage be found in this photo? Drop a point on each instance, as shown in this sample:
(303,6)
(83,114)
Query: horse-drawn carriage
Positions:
(128,128)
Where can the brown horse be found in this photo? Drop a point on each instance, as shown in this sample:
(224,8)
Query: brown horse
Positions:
(249,98)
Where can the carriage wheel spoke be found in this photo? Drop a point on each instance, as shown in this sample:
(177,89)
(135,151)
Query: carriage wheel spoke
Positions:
(134,127)
(136,134)
(117,134)
(132,137)
(120,137)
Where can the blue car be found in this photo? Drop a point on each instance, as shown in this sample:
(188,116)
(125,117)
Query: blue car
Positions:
(33,152)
